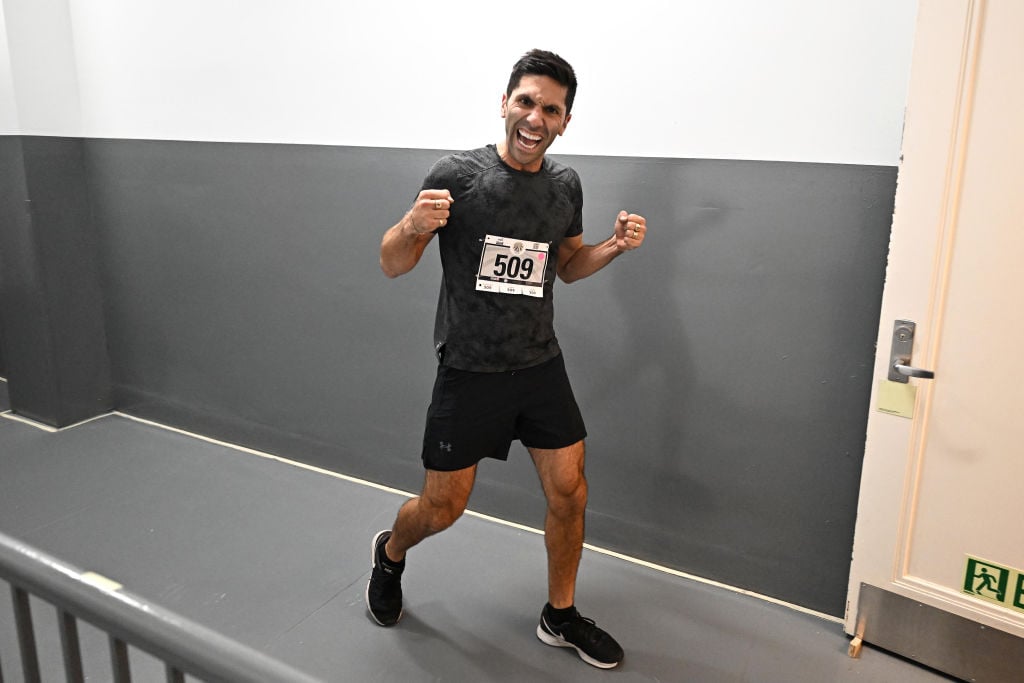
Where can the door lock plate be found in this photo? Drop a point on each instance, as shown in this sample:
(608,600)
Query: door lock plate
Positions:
(901,353)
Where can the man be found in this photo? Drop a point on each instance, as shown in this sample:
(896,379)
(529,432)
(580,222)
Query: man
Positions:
(508,220)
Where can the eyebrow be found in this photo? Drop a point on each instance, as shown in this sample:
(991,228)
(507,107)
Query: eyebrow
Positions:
(525,97)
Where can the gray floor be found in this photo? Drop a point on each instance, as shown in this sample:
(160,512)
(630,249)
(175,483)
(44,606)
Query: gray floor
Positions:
(276,556)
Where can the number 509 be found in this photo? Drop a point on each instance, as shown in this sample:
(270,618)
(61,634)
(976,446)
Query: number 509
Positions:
(512,266)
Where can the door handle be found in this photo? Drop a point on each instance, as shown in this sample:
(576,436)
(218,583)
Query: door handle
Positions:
(909,371)
(900,369)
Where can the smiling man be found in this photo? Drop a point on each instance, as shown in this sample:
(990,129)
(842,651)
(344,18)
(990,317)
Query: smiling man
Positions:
(508,221)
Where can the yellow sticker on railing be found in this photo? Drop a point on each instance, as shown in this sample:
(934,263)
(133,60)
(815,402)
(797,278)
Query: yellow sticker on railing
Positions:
(101,581)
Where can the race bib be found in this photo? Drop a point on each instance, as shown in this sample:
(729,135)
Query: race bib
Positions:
(511,266)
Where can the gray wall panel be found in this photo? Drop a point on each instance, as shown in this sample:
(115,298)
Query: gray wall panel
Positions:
(740,350)
(245,296)
(54,339)
(13,218)
(724,369)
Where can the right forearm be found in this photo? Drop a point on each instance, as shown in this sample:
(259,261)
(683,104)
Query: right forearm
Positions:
(402,247)
(404,242)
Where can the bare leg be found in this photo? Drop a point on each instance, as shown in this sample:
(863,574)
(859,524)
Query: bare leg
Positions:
(565,487)
(442,501)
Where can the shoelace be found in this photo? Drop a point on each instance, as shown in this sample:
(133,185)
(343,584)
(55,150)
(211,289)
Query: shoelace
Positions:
(593,634)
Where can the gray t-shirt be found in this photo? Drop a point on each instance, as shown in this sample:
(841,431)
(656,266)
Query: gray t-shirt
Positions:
(485,331)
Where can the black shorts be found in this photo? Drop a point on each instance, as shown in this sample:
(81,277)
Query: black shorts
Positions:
(477,415)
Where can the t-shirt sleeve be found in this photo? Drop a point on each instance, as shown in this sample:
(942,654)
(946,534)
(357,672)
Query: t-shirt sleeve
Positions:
(576,188)
(441,175)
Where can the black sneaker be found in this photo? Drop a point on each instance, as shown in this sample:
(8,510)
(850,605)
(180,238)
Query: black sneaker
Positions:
(384,590)
(594,646)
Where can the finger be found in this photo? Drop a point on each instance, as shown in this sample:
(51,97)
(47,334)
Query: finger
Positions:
(634,232)
(620,225)
(637,226)
(432,207)
(433,201)
(437,203)
(436,194)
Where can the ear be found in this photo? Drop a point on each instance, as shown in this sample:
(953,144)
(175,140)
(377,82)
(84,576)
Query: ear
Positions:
(504,105)
(568,118)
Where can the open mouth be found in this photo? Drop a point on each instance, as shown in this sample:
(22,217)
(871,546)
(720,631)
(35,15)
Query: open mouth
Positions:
(527,140)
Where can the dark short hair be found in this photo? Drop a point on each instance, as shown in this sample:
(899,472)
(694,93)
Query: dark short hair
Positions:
(544,63)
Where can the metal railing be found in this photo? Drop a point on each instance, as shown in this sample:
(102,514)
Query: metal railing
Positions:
(185,647)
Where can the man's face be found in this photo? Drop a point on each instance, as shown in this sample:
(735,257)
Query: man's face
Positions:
(534,116)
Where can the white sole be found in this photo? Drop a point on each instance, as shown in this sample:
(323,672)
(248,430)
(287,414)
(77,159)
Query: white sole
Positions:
(559,641)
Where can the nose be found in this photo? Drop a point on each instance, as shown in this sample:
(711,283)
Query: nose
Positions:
(535,116)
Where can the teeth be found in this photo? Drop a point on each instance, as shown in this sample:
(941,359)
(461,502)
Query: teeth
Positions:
(530,136)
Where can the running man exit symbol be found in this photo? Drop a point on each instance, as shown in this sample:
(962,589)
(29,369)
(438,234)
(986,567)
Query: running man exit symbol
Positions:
(986,580)
(995,583)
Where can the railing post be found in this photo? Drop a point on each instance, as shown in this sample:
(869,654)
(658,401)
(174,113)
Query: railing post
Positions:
(69,645)
(26,636)
(119,661)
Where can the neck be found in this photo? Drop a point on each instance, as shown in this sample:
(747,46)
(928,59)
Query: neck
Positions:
(534,167)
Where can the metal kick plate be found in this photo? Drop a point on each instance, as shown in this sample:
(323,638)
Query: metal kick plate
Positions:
(938,639)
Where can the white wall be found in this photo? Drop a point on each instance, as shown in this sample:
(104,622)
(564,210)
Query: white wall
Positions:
(8,110)
(804,80)
(42,71)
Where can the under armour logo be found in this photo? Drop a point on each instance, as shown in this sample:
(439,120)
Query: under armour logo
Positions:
(445,446)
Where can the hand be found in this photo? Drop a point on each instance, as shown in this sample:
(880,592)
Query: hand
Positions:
(630,229)
(429,212)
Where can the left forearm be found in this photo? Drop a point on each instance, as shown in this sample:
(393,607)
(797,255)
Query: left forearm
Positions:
(577,260)
(588,259)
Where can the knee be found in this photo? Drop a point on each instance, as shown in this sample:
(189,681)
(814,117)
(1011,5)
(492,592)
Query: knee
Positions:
(439,515)
(569,498)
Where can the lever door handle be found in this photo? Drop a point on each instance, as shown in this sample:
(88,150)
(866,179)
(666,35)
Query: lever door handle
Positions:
(909,371)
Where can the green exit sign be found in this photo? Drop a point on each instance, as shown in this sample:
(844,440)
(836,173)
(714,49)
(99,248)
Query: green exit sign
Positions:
(994,582)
